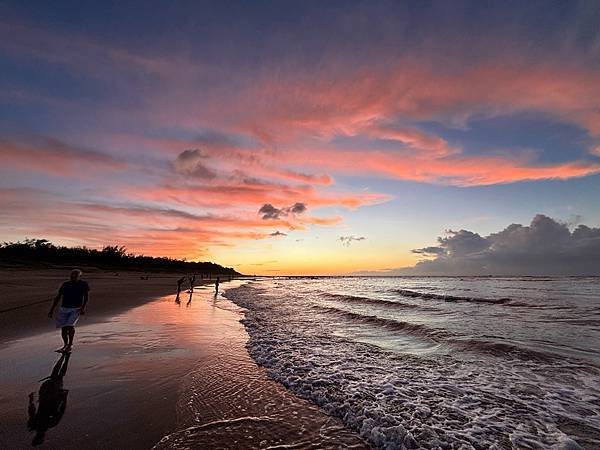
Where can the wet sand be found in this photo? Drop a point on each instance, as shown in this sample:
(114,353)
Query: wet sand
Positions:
(165,374)
(26,295)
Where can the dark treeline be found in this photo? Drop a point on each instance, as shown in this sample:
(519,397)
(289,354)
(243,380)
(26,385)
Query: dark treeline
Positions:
(42,252)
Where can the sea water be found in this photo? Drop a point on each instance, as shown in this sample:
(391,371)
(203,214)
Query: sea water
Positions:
(435,362)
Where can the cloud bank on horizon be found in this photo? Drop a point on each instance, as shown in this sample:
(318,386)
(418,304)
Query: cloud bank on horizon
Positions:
(168,133)
(545,247)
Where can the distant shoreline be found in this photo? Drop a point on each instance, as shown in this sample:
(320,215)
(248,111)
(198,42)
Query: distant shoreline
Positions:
(41,253)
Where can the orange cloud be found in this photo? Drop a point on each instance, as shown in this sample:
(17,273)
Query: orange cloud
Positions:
(150,230)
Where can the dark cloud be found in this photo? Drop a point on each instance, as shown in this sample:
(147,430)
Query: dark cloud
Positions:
(457,243)
(189,162)
(347,240)
(268,211)
(298,208)
(277,234)
(428,251)
(545,247)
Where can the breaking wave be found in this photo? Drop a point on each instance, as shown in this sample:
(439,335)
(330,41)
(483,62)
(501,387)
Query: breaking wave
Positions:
(496,379)
(451,298)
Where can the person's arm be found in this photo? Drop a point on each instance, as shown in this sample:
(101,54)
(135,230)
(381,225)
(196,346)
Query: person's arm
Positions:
(86,296)
(55,302)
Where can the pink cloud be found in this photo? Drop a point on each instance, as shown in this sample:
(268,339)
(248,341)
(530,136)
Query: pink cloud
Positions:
(288,125)
(150,230)
(418,90)
(52,156)
(296,119)
(252,192)
(456,169)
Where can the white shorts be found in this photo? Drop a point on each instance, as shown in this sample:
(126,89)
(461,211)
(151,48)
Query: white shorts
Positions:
(67,317)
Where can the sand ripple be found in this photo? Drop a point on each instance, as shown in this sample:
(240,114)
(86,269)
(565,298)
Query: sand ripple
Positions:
(229,402)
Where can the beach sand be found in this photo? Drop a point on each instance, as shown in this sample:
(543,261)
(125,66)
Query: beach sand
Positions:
(165,374)
(26,296)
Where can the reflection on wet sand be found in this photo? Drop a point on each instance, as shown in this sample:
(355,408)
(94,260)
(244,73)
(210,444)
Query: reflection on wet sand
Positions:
(230,402)
(149,374)
(52,401)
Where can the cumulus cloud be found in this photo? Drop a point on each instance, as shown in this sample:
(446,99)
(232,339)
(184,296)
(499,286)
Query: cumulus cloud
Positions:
(428,251)
(268,211)
(544,247)
(347,240)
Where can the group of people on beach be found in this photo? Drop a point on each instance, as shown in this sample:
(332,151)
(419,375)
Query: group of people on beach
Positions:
(73,297)
(71,301)
(192,281)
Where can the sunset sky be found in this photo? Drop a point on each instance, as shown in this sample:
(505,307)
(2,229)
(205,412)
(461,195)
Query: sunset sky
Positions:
(296,137)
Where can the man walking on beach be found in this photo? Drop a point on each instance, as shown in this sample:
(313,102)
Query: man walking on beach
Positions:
(74,294)
(218,280)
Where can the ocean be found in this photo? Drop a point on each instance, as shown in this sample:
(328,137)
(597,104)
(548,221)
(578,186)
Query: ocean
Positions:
(437,362)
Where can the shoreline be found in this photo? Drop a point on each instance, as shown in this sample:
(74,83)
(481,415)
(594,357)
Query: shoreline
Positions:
(161,374)
(253,410)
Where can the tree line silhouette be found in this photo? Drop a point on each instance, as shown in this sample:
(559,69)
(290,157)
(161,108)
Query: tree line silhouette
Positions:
(43,252)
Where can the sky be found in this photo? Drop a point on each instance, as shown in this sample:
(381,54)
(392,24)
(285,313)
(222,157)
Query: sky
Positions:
(305,137)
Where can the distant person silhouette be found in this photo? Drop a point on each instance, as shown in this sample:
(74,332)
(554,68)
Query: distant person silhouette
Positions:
(52,401)
(217,282)
(192,281)
(75,295)
(179,283)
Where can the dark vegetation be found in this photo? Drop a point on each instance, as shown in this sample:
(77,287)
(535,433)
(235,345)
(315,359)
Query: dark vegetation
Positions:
(40,252)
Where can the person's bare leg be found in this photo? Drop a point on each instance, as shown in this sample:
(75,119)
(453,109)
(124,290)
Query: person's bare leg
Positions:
(65,336)
(71,334)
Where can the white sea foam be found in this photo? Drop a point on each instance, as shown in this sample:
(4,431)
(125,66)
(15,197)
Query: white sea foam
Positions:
(466,393)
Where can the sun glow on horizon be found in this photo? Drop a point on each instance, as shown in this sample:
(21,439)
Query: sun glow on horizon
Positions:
(175,137)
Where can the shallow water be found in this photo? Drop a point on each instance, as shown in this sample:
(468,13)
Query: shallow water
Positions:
(122,377)
(438,362)
(229,402)
(164,374)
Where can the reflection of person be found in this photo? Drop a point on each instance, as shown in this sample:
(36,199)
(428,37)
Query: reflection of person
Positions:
(218,280)
(75,296)
(52,401)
